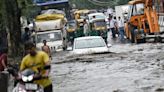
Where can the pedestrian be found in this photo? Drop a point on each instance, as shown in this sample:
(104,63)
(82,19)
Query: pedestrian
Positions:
(3,59)
(46,49)
(26,39)
(85,28)
(121,28)
(112,23)
(116,26)
(26,35)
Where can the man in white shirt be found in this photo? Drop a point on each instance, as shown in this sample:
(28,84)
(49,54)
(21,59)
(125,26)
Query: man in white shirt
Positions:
(121,28)
(86,28)
(112,23)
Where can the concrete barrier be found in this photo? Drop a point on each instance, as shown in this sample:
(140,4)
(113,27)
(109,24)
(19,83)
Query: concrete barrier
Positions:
(4,80)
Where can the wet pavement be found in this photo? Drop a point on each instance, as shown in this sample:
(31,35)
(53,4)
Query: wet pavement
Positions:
(128,68)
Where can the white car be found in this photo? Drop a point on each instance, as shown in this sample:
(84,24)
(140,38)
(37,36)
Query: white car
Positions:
(90,45)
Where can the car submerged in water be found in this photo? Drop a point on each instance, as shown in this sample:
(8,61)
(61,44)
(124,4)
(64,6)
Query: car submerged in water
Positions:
(90,45)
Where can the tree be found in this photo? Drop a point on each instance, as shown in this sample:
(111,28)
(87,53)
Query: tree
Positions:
(3,36)
(97,4)
(11,22)
(10,13)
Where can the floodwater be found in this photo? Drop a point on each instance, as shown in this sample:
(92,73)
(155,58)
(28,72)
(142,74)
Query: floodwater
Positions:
(128,68)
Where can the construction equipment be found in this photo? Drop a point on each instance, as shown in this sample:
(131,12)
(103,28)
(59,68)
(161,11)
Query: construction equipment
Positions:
(142,22)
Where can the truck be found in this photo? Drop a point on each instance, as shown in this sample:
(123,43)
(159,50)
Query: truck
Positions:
(142,22)
(50,28)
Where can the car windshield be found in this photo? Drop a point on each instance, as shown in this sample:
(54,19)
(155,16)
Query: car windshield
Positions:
(100,16)
(71,25)
(82,17)
(49,37)
(100,23)
(89,43)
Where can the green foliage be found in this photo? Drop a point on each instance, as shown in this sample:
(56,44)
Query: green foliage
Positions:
(28,9)
(105,3)
(1,17)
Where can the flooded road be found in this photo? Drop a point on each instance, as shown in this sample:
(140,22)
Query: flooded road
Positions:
(129,68)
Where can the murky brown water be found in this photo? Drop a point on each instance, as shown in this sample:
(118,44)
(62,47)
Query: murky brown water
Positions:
(131,68)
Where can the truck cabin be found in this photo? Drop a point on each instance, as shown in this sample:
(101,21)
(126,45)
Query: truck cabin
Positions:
(136,13)
(49,30)
(49,36)
(143,11)
(136,8)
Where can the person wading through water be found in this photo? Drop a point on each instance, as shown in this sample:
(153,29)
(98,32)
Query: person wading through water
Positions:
(46,49)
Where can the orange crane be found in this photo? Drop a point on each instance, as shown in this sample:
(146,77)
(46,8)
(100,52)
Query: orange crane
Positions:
(142,21)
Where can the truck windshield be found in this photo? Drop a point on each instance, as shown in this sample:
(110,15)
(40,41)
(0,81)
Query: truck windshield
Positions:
(49,37)
(138,9)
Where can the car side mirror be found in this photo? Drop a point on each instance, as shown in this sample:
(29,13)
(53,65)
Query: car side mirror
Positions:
(109,45)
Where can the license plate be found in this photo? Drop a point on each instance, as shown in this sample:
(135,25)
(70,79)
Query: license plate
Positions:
(30,86)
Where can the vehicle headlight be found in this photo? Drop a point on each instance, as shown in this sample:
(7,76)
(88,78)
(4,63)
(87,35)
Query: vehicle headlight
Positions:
(24,78)
(30,78)
(27,78)
(60,47)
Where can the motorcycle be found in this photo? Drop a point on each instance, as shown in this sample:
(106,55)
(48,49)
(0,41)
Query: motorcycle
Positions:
(25,81)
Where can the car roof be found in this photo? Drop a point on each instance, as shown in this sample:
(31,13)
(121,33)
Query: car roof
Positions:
(87,37)
(94,14)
